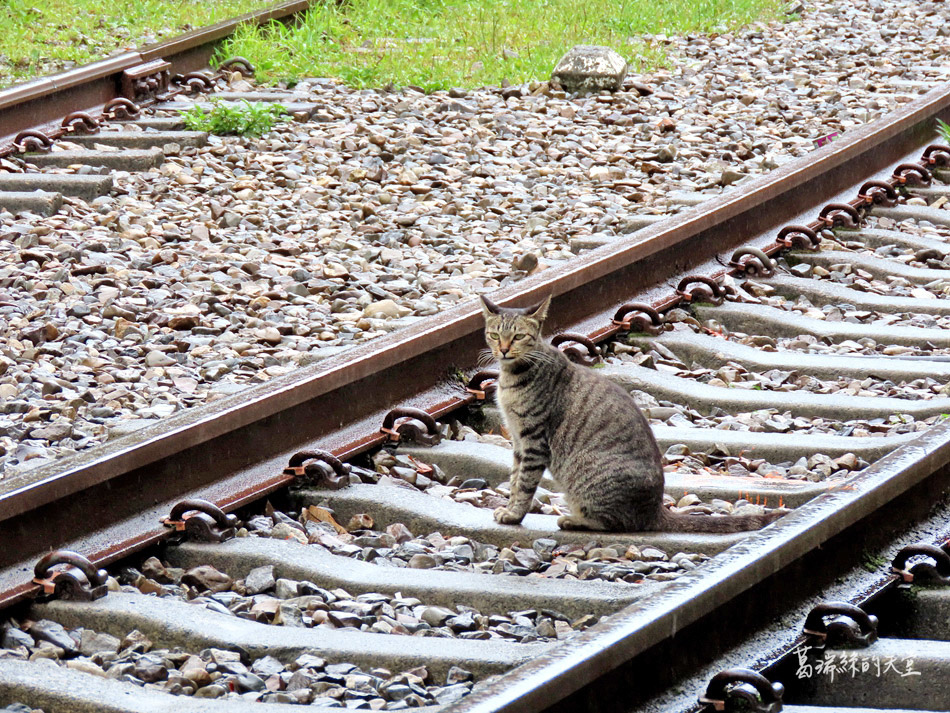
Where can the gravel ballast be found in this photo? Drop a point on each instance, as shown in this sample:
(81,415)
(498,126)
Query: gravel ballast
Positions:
(241,260)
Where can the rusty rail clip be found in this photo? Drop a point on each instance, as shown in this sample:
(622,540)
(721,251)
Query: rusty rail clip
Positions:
(798,237)
(483,384)
(707,291)
(319,467)
(879,192)
(79,123)
(840,215)
(937,574)
(237,64)
(32,140)
(121,109)
(849,627)
(937,155)
(407,428)
(592,354)
(194,82)
(641,318)
(74,577)
(201,520)
(912,174)
(758,263)
(742,689)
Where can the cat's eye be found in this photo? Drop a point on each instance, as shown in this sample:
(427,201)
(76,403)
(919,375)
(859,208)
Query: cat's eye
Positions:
(521,336)
(493,335)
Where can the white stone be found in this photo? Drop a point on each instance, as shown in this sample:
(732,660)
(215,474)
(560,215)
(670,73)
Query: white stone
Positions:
(385,309)
(590,68)
(155,358)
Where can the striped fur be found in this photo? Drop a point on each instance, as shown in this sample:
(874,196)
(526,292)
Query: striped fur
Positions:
(586,430)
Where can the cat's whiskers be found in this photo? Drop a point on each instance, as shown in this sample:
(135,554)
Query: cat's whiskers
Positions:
(537,356)
(485,358)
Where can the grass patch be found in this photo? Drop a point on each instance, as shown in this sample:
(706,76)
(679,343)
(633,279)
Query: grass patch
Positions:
(44,36)
(234,119)
(438,44)
(944,130)
(874,563)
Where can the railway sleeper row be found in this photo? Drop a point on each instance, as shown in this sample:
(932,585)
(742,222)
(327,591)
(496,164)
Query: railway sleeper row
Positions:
(904,670)
(878,639)
(132,145)
(393,497)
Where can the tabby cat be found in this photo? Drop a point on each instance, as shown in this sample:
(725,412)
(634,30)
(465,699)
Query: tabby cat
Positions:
(587,431)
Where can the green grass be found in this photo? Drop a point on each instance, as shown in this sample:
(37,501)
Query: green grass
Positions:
(44,36)
(873,563)
(944,130)
(433,44)
(236,119)
(438,44)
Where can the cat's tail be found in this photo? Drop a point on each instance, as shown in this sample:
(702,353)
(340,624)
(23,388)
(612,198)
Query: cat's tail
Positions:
(676,522)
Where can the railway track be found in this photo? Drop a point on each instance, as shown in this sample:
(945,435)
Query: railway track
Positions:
(872,636)
(817,383)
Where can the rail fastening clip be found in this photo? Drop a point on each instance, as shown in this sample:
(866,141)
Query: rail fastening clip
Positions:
(840,625)
(403,424)
(65,574)
(321,468)
(590,355)
(641,318)
(923,573)
(482,384)
(742,689)
(201,520)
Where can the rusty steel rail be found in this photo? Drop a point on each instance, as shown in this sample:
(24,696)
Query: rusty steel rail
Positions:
(854,593)
(53,105)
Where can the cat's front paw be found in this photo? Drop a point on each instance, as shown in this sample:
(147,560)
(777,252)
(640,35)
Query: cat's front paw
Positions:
(567,522)
(507,517)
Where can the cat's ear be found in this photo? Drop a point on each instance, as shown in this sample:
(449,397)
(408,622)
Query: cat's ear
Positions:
(540,310)
(489,307)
